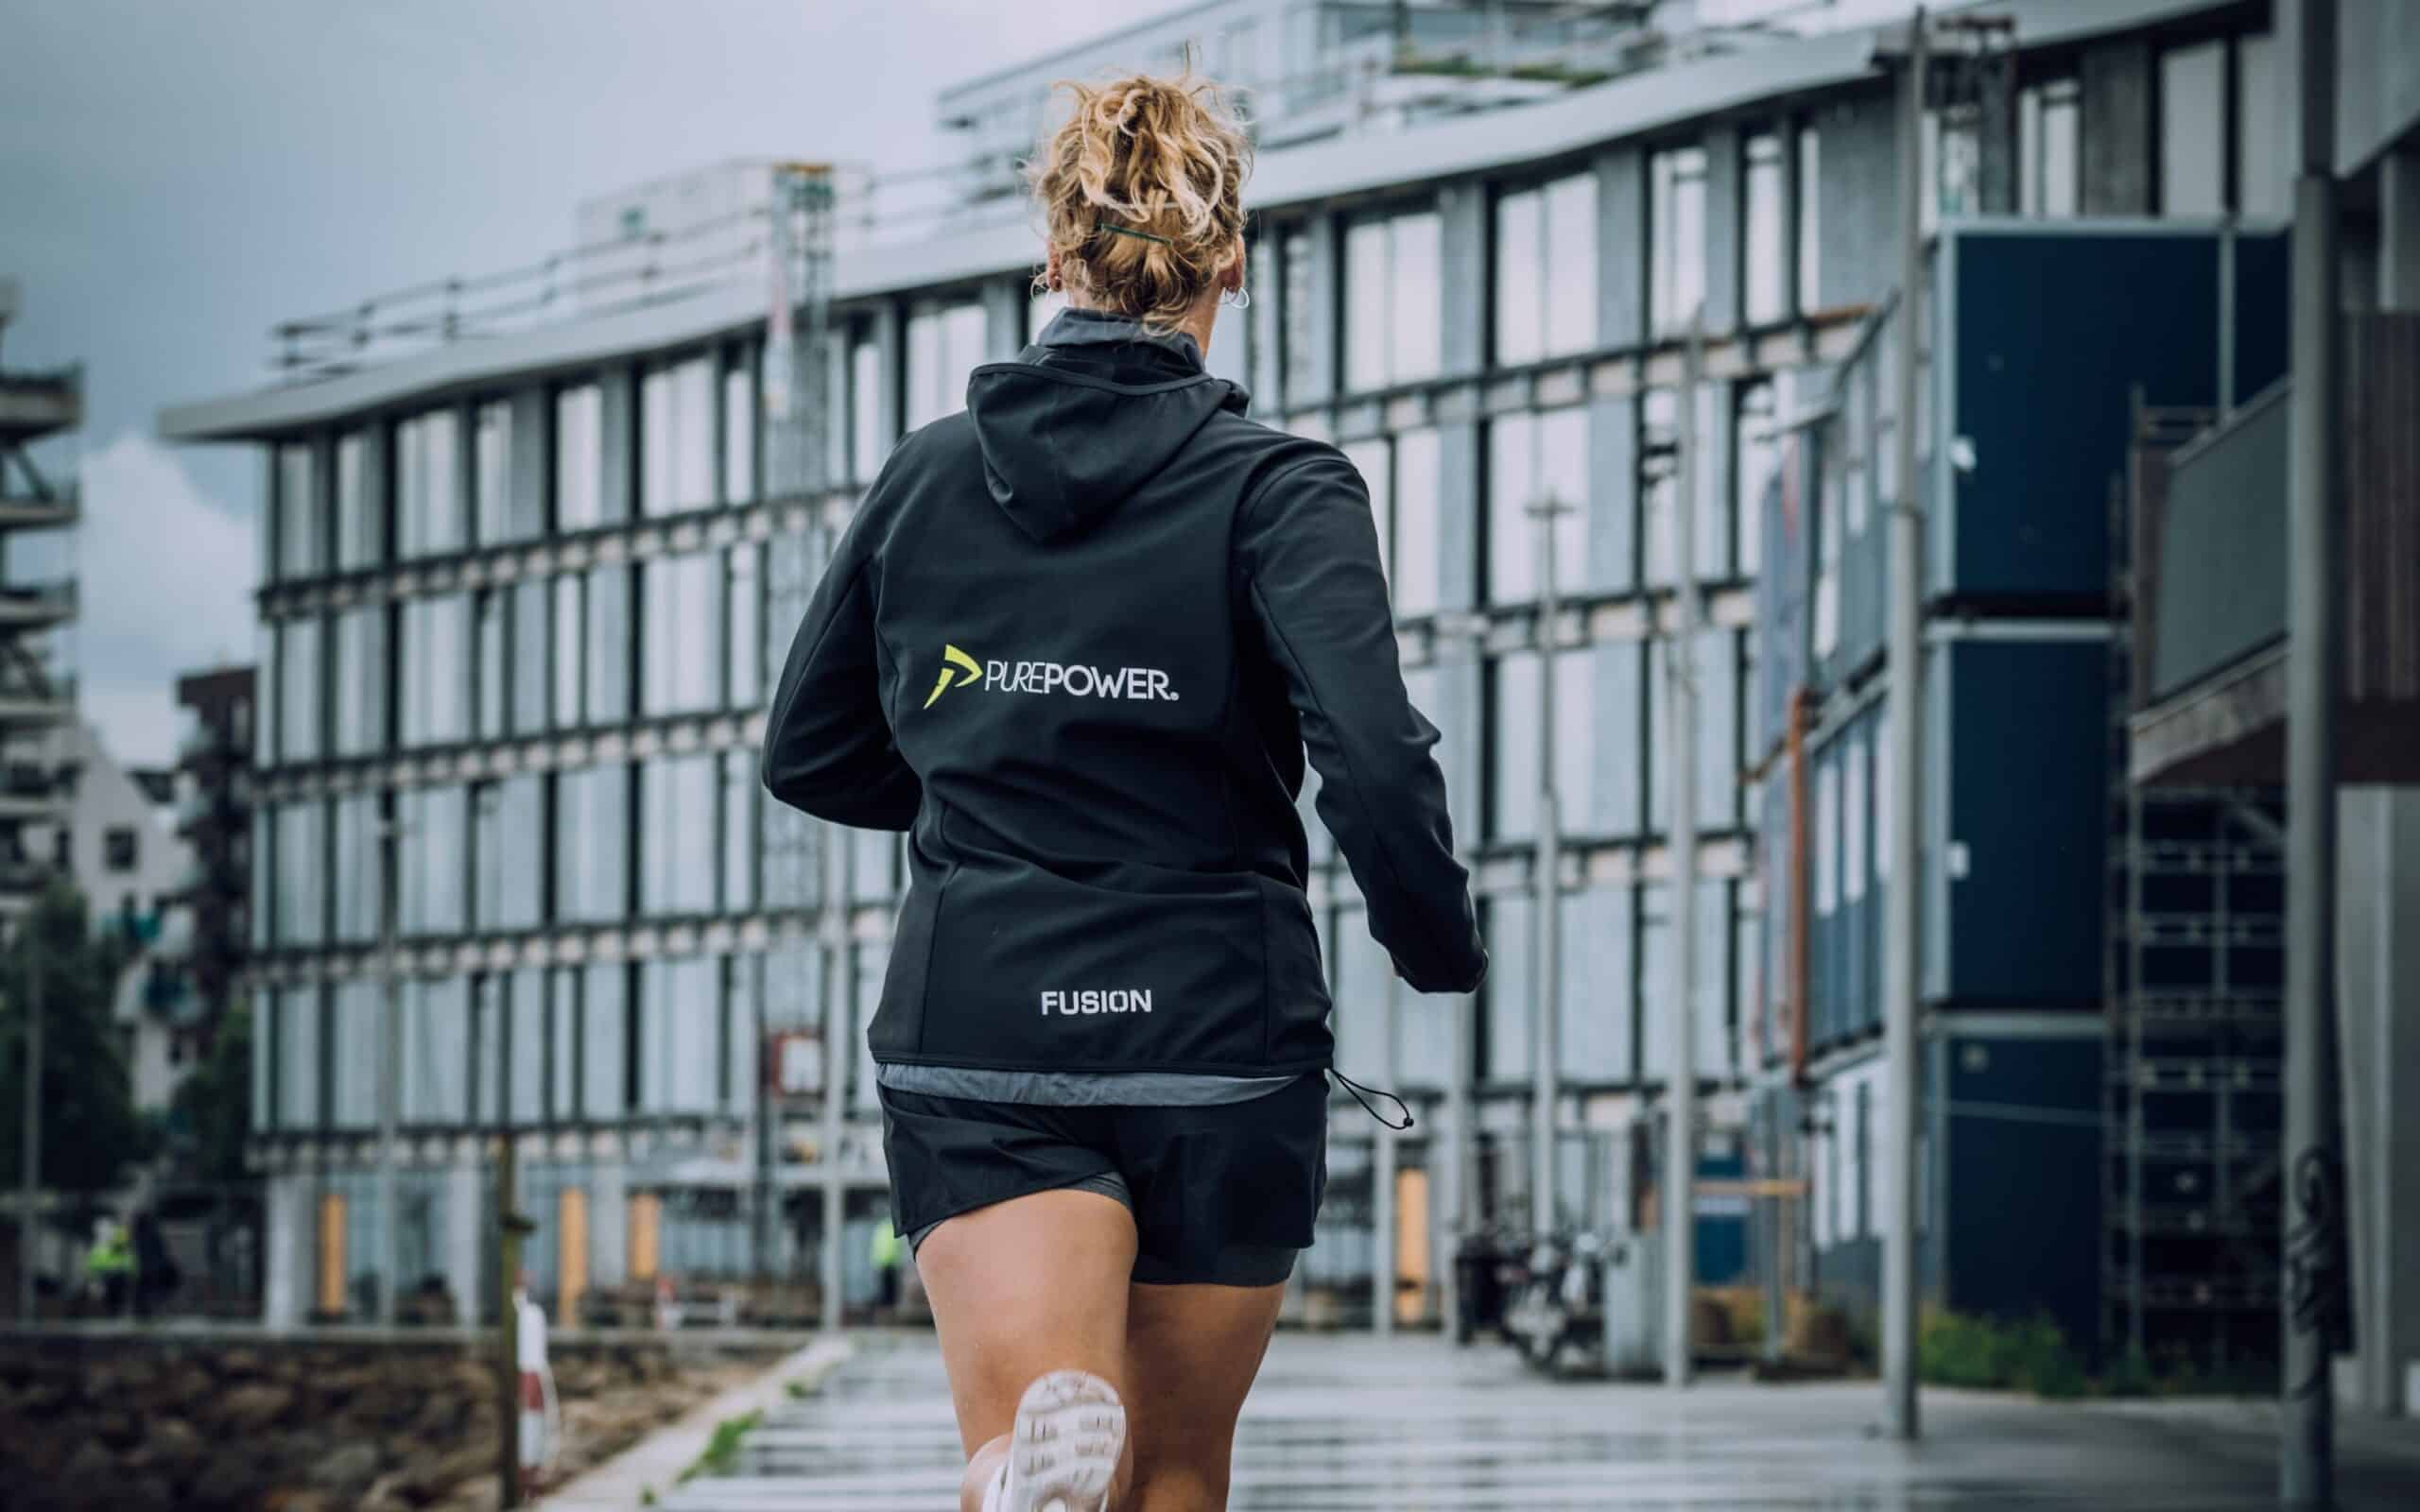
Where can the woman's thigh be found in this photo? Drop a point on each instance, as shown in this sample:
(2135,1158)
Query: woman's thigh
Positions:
(1191,1356)
(1024,1287)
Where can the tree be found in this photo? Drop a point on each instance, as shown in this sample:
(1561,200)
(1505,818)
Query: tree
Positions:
(213,1111)
(91,1133)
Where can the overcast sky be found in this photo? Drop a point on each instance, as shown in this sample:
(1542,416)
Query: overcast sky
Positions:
(177,175)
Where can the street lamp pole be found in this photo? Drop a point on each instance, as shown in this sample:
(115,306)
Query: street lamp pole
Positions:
(390,1036)
(1678,1208)
(1547,1042)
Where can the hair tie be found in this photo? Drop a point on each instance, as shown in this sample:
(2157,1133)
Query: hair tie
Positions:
(1129,230)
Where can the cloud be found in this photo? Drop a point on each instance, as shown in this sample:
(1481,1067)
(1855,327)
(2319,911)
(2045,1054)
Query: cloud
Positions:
(168,576)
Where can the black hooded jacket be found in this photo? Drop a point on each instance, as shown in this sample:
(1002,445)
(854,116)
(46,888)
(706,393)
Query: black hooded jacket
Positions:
(1077,640)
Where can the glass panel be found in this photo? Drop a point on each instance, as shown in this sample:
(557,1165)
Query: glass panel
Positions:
(873,856)
(265,729)
(436,670)
(1676,220)
(562,1007)
(1520,253)
(1394,310)
(570,648)
(1532,457)
(435,839)
(299,1081)
(487,634)
(739,789)
(739,431)
(1417,563)
(604,1040)
(1764,212)
(436,1046)
(264,873)
(1810,221)
(676,872)
(943,345)
(297,512)
(681,1045)
(361,680)
(297,671)
(360,868)
(579,459)
(1298,315)
(1854,867)
(1366,308)
(608,644)
(1416,293)
(1659,460)
(512,816)
(592,830)
(487,1049)
(2193,140)
(745,661)
(1882,802)
(301,894)
(1718,728)
(491,470)
(1755,466)
(1827,837)
(357,1051)
(1507,995)
(429,486)
(2264,180)
(677,436)
(526,1002)
(682,645)
(1569,282)
(531,616)
(1618,753)
(360,540)
(1596,1003)
(868,446)
(1512,772)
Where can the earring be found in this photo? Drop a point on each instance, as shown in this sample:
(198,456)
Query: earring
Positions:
(1237,299)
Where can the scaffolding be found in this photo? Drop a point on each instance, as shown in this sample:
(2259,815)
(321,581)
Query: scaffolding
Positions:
(2192,974)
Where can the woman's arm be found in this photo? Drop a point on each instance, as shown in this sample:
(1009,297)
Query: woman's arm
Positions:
(828,745)
(1308,553)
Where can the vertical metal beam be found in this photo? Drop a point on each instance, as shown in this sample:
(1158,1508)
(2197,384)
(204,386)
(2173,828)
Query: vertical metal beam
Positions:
(1678,1208)
(1383,1216)
(1545,1043)
(508,1278)
(2313,1219)
(29,1147)
(390,1040)
(1906,722)
(767,1196)
(833,932)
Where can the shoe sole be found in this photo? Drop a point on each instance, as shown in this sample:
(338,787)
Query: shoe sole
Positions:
(1070,1430)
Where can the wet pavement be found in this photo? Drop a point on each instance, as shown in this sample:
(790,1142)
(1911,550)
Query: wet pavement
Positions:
(1354,1425)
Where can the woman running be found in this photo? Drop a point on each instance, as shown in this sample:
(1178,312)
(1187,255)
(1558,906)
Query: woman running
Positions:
(1076,641)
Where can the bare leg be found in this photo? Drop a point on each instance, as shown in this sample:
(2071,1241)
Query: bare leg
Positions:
(1192,1352)
(1019,1290)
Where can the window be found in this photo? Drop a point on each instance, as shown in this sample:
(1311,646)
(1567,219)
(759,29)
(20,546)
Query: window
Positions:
(1513,775)
(360,530)
(684,644)
(1829,519)
(1416,565)
(1509,998)
(739,430)
(1605,759)
(1827,837)
(435,860)
(119,849)
(571,646)
(744,662)
(681,1032)
(1532,458)
(357,1051)
(1545,271)
(945,344)
(1953,163)
(429,492)
(677,835)
(868,446)
(299,1081)
(740,785)
(299,893)
(1882,797)
(1676,238)
(436,670)
(608,644)
(297,512)
(487,618)
(874,866)
(507,836)
(1809,260)
(2264,177)
(2049,119)
(1394,300)
(361,680)
(2193,136)
(1756,465)
(528,629)
(264,875)
(1597,984)
(1764,217)
(1298,314)
(1864,1159)
(492,472)
(604,1040)
(562,1011)
(360,868)
(1659,482)
(677,438)
(579,459)
(525,1005)
(298,676)
(591,838)
(436,1080)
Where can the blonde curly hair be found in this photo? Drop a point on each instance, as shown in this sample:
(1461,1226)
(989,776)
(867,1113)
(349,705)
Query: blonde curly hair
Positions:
(1164,162)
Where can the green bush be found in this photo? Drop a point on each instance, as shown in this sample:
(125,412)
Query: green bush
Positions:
(1954,1350)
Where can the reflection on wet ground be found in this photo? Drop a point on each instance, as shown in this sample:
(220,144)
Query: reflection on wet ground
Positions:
(1355,1425)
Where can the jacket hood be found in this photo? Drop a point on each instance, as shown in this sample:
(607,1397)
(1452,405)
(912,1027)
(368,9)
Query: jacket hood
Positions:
(1095,407)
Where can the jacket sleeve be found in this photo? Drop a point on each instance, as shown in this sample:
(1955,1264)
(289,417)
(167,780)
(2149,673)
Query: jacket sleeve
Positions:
(828,745)
(1308,559)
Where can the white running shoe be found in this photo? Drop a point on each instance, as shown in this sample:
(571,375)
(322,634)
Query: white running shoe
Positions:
(1063,1453)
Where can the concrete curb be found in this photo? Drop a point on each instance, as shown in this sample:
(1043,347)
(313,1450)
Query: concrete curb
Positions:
(654,1462)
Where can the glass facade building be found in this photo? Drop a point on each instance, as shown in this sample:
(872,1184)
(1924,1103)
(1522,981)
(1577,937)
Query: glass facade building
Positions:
(527,620)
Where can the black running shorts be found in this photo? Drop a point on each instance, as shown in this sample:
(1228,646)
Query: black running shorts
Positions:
(1221,1195)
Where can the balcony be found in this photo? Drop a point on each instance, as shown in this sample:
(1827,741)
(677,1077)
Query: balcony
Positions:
(37,606)
(35,405)
(30,793)
(2210,696)
(61,506)
(28,699)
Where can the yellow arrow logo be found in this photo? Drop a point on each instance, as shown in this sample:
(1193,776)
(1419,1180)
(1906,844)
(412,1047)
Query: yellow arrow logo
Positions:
(955,664)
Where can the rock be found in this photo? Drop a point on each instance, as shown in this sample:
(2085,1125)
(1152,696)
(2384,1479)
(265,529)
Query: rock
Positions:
(231,1479)
(173,1447)
(90,1477)
(298,1500)
(249,1409)
(113,1428)
(346,1469)
(390,1492)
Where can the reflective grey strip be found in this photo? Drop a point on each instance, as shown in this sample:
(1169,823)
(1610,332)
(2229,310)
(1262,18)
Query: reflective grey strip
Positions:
(1080,1089)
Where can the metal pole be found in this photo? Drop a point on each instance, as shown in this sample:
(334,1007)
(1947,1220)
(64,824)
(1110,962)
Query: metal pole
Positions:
(1678,1208)
(507,1271)
(760,1237)
(1901,920)
(834,930)
(29,1149)
(390,1034)
(1383,1277)
(2314,1216)
(1547,1042)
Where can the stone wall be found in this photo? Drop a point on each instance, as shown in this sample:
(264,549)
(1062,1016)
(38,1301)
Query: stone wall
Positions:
(260,1423)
